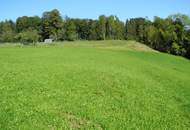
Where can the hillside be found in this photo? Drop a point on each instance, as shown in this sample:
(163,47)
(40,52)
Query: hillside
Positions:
(93,85)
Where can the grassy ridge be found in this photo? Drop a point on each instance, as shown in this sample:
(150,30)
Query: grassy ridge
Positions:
(93,86)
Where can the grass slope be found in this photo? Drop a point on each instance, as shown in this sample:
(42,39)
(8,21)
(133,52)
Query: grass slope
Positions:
(93,85)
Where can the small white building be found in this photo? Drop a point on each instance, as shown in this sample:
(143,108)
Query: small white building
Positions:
(187,27)
(48,40)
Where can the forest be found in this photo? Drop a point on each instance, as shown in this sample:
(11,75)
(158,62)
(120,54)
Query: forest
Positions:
(170,35)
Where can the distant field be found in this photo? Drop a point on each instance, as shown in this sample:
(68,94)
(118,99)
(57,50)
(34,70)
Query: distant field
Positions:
(112,85)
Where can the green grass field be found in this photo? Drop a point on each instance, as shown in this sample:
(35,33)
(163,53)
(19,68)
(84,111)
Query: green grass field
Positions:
(111,85)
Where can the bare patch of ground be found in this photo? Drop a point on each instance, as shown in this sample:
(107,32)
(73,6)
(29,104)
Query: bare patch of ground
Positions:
(76,122)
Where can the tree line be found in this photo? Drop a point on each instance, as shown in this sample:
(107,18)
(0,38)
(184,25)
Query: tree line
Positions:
(170,35)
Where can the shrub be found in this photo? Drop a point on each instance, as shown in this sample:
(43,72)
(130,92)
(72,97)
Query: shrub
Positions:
(176,49)
(27,37)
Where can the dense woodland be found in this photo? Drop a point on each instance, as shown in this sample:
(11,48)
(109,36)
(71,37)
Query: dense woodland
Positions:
(170,35)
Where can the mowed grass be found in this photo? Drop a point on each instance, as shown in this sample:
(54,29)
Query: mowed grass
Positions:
(111,85)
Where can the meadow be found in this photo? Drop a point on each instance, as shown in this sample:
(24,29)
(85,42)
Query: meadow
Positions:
(97,85)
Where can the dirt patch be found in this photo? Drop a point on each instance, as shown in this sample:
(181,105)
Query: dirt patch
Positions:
(77,123)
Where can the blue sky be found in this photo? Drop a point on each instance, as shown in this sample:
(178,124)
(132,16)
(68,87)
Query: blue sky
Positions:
(11,9)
